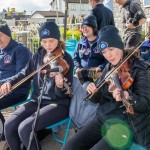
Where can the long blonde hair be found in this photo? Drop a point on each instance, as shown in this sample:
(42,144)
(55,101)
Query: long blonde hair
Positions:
(62,44)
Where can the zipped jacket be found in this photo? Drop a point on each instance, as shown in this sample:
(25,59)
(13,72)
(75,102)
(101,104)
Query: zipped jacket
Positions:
(86,56)
(13,59)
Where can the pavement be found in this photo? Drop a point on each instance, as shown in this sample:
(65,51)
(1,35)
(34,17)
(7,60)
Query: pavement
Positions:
(49,143)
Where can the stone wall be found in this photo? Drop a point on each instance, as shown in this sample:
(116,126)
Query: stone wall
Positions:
(117,15)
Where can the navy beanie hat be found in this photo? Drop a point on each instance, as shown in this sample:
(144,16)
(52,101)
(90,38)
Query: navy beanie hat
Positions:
(5,29)
(109,37)
(49,30)
(90,21)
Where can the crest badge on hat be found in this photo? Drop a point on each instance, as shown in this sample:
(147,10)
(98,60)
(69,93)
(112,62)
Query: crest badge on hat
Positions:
(86,22)
(103,45)
(45,32)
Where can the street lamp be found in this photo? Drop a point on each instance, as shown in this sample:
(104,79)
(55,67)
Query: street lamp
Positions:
(65,20)
(80,7)
(57,11)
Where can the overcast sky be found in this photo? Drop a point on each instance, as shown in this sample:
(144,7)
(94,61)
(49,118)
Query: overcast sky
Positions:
(28,5)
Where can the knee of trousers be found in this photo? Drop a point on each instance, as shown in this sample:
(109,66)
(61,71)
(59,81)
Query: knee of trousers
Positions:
(10,126)
(24,130)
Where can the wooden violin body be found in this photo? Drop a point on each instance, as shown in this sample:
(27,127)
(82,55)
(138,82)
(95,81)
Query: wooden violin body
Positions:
(122,80)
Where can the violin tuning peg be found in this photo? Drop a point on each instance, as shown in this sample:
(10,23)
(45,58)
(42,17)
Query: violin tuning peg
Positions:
(121,106)
(124,112)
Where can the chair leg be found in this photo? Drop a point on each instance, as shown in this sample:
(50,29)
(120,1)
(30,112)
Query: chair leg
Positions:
(67,131)
(66,134)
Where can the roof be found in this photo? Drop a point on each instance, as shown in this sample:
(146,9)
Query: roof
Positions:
(78,1)
(73,1)
(49,13)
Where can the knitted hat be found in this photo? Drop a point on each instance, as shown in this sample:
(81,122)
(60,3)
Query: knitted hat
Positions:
(90,21)
(49,30)
(5,29)
(109,37)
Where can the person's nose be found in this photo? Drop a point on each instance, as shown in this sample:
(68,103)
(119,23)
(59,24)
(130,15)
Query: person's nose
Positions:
(108,55)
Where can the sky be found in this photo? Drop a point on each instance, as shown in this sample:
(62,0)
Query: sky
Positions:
(29,5)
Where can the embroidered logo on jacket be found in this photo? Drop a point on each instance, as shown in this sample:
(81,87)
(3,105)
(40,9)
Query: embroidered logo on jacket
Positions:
(7,59)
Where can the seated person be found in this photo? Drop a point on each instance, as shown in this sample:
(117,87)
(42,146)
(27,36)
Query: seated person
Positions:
(14,57)
(88,60)
(55,100)
(122,120)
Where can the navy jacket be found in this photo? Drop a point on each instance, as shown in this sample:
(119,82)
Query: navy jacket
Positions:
(87,57)
(13,59)
(52,94)
(103,15)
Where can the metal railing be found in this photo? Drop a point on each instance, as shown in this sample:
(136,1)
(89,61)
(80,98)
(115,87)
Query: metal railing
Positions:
(29,35)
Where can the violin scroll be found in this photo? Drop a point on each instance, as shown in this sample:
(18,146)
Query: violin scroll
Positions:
(115,82)
(128,106)
(68,88)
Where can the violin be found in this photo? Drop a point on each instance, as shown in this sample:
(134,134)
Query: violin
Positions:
(60,63)
(121,80)
(124,76)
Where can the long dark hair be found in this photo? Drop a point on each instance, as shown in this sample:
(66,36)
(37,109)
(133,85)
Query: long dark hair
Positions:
(128,51)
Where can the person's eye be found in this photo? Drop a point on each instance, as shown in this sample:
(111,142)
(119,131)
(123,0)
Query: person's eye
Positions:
(103,52)
(111,49)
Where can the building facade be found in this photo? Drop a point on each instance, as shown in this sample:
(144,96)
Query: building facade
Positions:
(75,7)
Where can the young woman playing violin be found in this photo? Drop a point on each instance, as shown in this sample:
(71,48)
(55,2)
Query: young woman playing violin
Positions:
(55,100)
(122,120)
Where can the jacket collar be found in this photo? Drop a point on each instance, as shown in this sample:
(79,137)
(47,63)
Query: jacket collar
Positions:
(99,4)
(127,3)
(84,41)
(10,46)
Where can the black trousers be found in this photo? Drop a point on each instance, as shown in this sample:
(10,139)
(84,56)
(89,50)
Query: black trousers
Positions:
(90,137)
(19,125)
(87,137)
(12,99)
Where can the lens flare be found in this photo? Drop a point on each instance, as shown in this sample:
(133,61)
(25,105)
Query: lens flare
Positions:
(117,134)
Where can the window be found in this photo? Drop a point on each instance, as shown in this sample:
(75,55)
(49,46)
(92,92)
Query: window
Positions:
(146,3)
(72,7)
